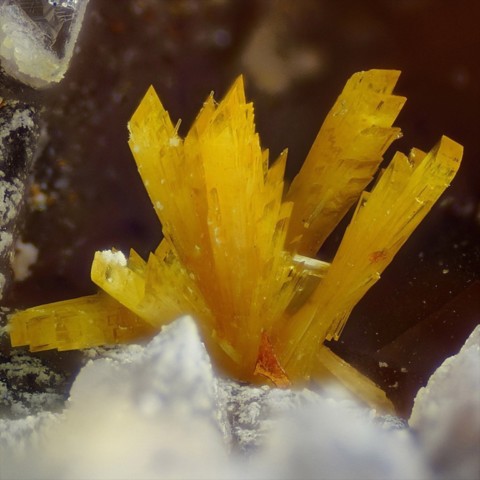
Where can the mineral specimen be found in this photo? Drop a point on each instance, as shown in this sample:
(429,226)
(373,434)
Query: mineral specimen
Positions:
(236,254)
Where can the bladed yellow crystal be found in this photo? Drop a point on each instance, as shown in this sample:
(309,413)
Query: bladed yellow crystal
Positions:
(344,157)
(78,323)
(382,222)
(237,255)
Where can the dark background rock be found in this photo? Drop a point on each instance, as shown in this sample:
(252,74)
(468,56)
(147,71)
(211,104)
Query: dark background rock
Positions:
(20,142)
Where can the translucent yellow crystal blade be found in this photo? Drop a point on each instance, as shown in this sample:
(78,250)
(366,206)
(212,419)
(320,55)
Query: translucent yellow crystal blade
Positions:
(222,214)
(383,221)
(158,291)
(361,386)
(79,323)
(399,202)
(343,158)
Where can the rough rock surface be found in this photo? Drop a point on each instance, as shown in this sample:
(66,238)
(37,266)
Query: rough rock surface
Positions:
(20,134)
(28,387)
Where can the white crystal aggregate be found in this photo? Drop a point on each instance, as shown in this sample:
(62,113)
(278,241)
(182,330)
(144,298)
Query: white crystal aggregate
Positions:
(25,256)
(446,414)
(160,411)
(114,257)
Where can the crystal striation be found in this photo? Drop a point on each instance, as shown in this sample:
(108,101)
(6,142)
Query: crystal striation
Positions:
(237,253)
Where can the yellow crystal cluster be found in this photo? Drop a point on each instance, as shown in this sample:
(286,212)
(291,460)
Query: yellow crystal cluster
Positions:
(238,252)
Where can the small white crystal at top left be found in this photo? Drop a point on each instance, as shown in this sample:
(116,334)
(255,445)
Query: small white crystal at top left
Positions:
(26,53)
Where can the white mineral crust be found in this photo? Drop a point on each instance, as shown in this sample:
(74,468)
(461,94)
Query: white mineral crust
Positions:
(159,411)
(446,414)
